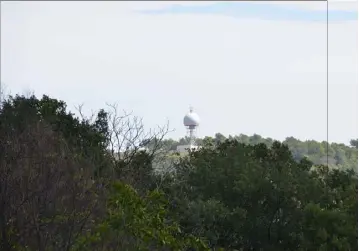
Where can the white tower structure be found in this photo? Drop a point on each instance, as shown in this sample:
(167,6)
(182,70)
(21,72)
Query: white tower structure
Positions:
(191,122)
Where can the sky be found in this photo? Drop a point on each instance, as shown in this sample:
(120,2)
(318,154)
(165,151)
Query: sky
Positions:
(245,67)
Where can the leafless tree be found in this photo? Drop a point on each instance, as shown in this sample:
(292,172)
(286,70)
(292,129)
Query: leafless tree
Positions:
(128,134)
(127,137)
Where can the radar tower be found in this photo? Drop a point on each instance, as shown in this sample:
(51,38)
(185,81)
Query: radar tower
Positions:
(191,122)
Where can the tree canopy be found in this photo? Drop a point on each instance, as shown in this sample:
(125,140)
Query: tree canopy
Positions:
(76,183)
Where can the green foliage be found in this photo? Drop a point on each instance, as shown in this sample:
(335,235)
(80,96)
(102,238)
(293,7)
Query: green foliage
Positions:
(260,198)
(83,137)
(62,188)
(354,143)
(135,223)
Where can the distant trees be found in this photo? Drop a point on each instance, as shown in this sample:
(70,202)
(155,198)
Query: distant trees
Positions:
(354,143)
(335,155)
(219,138)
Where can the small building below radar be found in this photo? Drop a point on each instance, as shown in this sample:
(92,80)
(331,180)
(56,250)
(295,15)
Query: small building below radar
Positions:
(186,148)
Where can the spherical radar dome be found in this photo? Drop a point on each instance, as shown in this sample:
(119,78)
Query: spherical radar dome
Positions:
(191,119)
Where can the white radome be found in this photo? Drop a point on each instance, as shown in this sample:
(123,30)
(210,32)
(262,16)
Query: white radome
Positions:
(191,119)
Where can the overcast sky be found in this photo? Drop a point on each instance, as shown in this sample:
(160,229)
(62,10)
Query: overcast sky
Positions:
(245,67)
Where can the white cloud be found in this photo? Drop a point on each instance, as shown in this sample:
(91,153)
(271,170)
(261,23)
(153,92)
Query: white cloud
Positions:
(242,76)
(333,5)
(349,5)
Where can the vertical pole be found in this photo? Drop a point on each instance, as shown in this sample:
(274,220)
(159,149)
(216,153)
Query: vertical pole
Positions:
(191,136)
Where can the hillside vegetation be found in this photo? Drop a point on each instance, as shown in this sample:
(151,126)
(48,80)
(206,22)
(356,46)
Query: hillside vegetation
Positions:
(320,153)
(74,183)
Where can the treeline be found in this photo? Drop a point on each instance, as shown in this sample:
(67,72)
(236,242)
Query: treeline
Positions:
(76,183)
(320,153)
